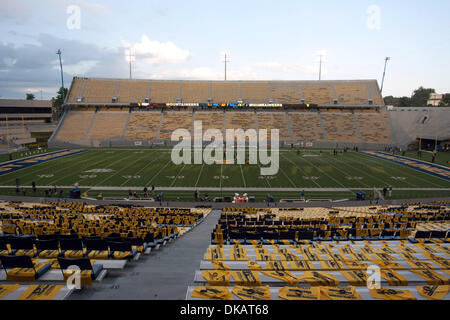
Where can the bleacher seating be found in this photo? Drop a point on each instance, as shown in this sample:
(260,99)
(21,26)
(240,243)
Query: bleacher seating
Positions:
(286,93)
(195,91)
(318,94)
(225,92)
(75,126)
(255,92)
(210,120)
(306,127)
(108,126)
(340,127)
(99,91)
(173,121)
(131,90)
(348,93)
(374,127)
(77,85)
(326,254)
(40,242)
(269,121)
(240,120)
(351,95)
(164,91)
(338,124)
(143,126)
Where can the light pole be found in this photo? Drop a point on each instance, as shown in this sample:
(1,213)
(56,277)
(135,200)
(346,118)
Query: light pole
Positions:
(320,66)
(225,61)
(130,58)
(62,74)
(384,74)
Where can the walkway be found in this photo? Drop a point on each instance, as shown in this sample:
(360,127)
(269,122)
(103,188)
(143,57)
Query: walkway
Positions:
(165,274)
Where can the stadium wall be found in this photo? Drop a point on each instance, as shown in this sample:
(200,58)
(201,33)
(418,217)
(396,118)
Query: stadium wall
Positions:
(409,124)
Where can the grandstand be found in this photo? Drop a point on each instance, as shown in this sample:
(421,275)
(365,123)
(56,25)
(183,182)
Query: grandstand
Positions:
(21,120)
(325,254)
(93,91)
(301,110)
(290,253)
(321,114)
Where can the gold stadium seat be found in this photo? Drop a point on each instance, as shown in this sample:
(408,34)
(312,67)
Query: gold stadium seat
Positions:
(306,127)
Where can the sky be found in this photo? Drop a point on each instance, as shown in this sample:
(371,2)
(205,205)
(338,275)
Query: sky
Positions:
(264,39)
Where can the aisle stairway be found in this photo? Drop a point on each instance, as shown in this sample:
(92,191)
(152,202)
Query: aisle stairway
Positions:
(164,275)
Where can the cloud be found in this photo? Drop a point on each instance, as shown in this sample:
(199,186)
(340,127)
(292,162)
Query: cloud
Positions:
(157,53)
(15,10)
(37,65)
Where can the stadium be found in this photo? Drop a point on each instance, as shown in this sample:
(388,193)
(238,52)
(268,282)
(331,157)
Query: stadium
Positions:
(358,209)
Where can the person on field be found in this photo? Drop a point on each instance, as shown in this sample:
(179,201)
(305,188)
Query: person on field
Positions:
(196,195)
(33,186)
(145,192)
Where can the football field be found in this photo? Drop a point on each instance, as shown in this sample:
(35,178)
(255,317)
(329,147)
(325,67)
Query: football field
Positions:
(320,173)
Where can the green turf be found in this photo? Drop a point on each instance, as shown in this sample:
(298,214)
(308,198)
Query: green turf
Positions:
(442,158)
(312,169)
(24,154)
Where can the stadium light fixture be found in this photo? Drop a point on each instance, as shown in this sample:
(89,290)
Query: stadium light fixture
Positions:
(321,55)
(62,74)
(130,57)
(384,74)
(226,60)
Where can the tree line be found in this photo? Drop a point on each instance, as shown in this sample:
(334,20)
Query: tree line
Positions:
(419,98)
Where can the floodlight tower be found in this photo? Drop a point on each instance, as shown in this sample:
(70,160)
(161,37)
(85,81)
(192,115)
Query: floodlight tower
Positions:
(130,58)
(320,66)
(225,61)
(384,73)
(62,74)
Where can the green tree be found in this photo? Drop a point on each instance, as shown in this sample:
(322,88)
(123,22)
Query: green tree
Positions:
(446,100)
(57,101)
(404,102)
(421,96)
(388,100)
(30,96)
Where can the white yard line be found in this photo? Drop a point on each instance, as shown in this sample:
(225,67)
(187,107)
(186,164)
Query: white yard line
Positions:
(145,167)
(221,175)
(243,178)
(393,166)
(106,179)
(78,165)
(176,177)
(42,169)
(157,174)
(300,169)
(325,173)
(199,175)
